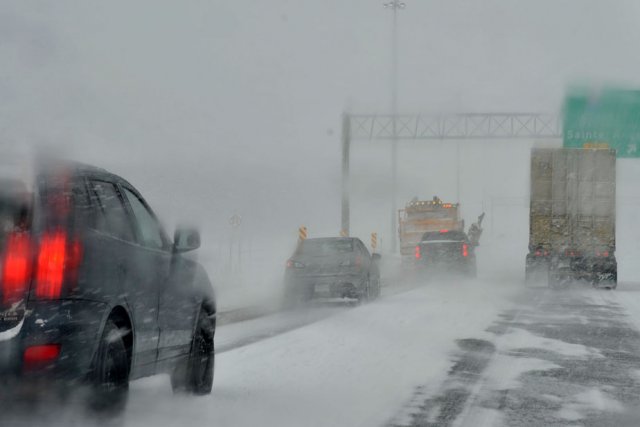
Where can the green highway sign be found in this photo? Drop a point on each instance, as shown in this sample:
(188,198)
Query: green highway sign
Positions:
(609,118)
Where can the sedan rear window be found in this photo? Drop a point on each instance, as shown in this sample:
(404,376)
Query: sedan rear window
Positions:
(326,246)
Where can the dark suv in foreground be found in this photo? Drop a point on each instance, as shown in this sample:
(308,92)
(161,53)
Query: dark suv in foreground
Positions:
(332,267)
(92,292)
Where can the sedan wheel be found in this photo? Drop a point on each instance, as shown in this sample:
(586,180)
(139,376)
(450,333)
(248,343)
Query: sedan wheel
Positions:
(375,287)
(365,292)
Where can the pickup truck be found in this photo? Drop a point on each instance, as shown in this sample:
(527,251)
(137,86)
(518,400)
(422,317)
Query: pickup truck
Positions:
(448,251)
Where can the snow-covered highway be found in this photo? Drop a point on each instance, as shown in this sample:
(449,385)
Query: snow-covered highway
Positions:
(449,352)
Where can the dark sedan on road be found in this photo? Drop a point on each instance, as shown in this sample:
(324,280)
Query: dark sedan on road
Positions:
(93,293)
(447,251)
(332,267)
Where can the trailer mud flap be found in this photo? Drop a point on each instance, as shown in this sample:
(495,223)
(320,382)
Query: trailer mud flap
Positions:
(607,279)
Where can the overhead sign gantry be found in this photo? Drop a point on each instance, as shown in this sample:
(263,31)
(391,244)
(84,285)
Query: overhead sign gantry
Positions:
(479,126)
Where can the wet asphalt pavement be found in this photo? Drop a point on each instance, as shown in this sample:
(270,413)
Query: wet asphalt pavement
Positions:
(561,358)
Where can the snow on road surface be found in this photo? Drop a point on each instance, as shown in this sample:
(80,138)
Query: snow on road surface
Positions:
(567,357)
(355,368)
(446,353)
(229,337)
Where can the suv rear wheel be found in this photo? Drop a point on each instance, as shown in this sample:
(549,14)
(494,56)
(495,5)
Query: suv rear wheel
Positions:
(196,375)
(110,377)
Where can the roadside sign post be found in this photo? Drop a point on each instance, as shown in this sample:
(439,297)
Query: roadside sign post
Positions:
(302,234)
(235,247)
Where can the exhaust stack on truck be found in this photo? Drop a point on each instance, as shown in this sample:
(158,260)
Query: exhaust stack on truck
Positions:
(572,216)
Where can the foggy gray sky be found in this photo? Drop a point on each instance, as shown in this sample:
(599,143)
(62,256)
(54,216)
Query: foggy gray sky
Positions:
(211,107)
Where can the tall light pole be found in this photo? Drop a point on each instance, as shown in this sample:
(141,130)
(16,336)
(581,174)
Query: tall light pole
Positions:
(394,5)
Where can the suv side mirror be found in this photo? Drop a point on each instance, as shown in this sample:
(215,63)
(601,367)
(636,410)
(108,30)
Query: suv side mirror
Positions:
(375,257)
(185,240)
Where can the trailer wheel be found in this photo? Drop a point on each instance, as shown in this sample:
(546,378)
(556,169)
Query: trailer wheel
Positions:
(527,271)
(556,278)
(614,279)
(551,278)
(534,272)
(611,283)
(528,276)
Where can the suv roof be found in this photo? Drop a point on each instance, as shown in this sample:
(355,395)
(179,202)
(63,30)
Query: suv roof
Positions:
(82,169)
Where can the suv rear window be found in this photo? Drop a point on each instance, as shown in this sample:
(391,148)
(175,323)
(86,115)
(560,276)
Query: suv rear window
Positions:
(147,225)
(114,219)
(15,206)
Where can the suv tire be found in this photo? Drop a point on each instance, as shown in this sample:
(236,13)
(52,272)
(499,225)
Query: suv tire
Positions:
(196,375)
(110,376)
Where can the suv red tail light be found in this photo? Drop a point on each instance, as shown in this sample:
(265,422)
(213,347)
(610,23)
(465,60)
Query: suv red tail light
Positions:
(418,254)
(58,259)
(16,268)
(40,355)
(52,257)
(465,250)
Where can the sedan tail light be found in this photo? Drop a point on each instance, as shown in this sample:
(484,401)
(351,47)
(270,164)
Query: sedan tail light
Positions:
(294,264)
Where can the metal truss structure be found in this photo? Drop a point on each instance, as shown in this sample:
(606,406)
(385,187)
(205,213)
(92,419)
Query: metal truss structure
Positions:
(471,126)
(455,126)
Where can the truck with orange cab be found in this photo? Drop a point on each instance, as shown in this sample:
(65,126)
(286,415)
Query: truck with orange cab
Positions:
(419,217)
